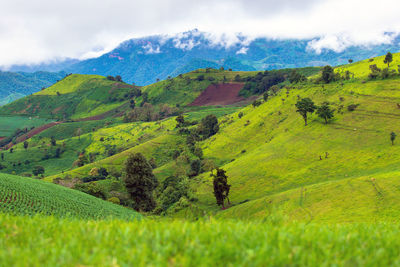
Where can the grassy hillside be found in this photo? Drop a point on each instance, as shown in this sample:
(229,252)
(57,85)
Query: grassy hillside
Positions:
(361,68)
(183,89)
(273,160)
(25,196)
(76,96)
(8,124)
(203,243)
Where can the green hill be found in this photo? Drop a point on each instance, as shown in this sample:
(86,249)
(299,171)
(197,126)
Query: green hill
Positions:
(26,196)
(337,172)
(76,96)
(274,162)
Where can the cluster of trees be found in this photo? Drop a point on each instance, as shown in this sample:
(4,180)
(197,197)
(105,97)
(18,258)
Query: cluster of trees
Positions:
(384,73)
(141,184)
(306,106)
(117,78)
(148,112)
(262,82)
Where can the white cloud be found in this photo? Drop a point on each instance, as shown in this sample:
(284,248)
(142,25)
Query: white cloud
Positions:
(242,50)
(151,49)
(40,30)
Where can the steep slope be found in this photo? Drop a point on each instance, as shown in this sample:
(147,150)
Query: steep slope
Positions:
(75,96)
(343,171)
(26,196)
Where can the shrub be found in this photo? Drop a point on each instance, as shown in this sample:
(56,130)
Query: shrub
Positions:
(352,107)
(114,200)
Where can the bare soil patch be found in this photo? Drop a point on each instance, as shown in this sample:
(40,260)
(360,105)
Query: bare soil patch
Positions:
(219,94)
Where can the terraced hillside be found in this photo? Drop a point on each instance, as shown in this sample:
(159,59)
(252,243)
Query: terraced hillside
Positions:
(25,196)
(76,96)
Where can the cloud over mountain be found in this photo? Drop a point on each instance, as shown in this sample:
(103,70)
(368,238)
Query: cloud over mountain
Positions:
(36,31)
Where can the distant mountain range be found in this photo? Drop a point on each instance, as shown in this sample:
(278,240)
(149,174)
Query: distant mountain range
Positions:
(143,60)
(14,85)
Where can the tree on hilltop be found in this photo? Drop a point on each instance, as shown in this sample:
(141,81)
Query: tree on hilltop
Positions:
(328,74)
(388,59)
(304,106)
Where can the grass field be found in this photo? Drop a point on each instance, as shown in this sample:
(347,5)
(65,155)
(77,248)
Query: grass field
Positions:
(201,243)
(8,124)
(26,196)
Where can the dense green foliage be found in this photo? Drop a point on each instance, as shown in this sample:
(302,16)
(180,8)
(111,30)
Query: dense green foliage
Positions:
(140,182)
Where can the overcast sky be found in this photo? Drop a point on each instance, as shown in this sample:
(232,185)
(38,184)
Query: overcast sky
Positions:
(32,31)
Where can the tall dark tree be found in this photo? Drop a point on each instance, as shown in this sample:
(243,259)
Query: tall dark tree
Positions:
(2,156)
(208,126)
(53,141)
(325,112)
(328,74)
(26,144)
(140,182)
(392,137)
(305,106)
(118,78)
(180,121)
(221,186)
(388,59)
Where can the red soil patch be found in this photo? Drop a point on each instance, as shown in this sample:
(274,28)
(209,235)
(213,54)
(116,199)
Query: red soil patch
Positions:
(24,110)
(32,133)
(220,94)
(56,110)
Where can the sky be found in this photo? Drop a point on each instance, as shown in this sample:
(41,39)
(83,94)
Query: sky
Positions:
(35,31)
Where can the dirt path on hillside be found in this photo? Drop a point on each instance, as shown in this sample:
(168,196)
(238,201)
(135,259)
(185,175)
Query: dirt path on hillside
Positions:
(219,94)
(111,113)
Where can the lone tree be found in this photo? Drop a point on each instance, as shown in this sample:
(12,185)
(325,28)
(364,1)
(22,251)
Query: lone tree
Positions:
(388,59)
(132,104)
(304,106)
(140,182)
(325,112)
(350,61)
(78,133)
(53,141)
(392,137)
(221,186)
(26,144)
(328,74)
